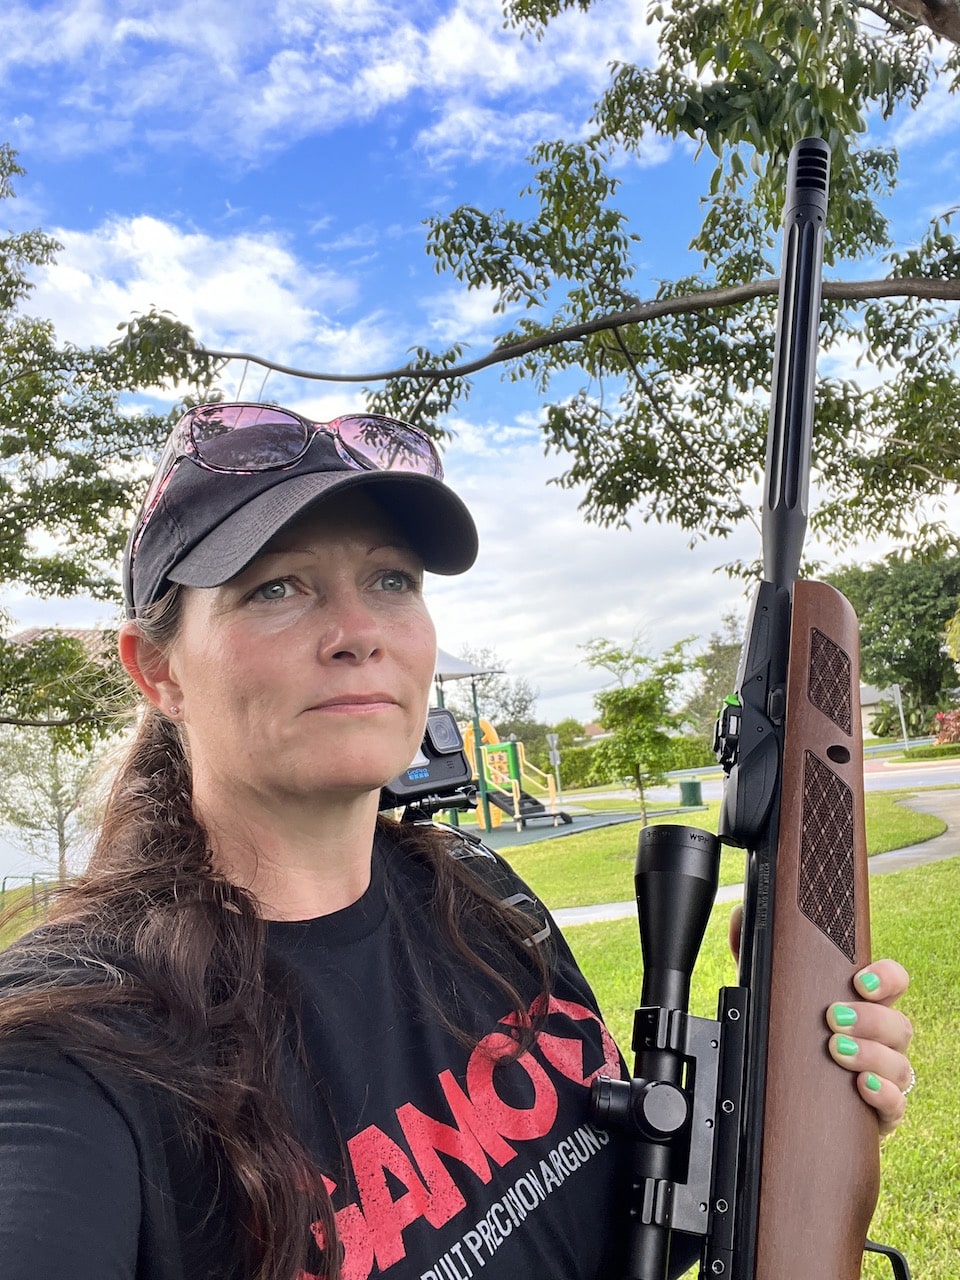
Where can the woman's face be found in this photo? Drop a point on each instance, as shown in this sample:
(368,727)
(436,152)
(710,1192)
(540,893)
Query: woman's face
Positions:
(309,673)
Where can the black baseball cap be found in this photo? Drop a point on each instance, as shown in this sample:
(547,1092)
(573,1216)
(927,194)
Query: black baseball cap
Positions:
(209,525)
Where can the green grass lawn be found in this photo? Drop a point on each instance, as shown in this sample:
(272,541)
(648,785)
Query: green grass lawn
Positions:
(913,920)
(597,866)
(615,805)
(12,901)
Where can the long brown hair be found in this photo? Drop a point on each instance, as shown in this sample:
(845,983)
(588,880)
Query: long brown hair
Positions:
(153,931)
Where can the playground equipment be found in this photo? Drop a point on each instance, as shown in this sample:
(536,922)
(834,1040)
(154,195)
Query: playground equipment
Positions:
(505,768)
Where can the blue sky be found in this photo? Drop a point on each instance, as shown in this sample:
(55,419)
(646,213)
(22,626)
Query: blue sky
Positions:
(263,170)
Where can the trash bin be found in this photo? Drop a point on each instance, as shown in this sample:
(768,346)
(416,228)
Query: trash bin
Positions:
(691,793)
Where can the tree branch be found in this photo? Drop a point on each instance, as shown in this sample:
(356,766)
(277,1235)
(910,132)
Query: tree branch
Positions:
(732,295)
(941,16)
(52,724)
(886,17)
(722,475)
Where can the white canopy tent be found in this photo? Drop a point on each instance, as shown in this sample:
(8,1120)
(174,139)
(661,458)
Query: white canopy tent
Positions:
(450,668)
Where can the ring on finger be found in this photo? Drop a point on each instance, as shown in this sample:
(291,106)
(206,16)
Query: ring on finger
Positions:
(913,1081)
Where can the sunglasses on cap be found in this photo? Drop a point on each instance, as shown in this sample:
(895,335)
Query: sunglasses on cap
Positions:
(242,438)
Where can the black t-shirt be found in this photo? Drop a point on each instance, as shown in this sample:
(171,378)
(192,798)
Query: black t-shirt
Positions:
(455,1166)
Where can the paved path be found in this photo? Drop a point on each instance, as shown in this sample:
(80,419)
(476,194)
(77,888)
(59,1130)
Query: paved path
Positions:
(944,804)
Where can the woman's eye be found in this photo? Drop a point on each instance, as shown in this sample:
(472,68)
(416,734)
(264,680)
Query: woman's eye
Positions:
(397,580)
(276,589)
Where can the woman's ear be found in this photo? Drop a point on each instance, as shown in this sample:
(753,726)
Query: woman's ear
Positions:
(149,668)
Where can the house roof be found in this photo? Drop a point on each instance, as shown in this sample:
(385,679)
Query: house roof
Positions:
(95,640)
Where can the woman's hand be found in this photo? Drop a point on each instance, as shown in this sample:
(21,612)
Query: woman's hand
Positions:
(870,1037)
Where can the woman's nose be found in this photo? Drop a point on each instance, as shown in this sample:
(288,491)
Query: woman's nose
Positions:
(353,632)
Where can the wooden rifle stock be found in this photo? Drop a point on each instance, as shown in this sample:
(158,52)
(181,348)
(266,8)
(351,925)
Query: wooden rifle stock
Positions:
(820,1150)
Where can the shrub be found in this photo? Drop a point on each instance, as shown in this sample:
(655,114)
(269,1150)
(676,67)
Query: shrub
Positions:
(935,751)
(695,751)
(576,764)
(946,725)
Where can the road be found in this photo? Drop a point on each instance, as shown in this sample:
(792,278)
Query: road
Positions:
(878,775)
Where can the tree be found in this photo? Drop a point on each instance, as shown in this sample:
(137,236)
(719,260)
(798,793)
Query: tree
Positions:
(44,785)
(50,754)
(574,756)
(508,702)
(569,733)
(952,636)
(533,735)
(670,418)
(904,606)
(74,458)
(69,683)
(637,712)
(746,81)
(716,670)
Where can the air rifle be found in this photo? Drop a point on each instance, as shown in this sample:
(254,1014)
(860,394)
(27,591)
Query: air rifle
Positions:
(751,1147)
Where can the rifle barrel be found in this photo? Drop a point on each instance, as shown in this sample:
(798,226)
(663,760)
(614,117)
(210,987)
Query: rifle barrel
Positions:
(795,359)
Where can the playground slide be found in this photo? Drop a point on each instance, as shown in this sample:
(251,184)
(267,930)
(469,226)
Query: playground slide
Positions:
(505,769)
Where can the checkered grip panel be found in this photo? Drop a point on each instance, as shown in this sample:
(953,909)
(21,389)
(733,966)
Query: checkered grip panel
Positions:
(826,891)
(829,685)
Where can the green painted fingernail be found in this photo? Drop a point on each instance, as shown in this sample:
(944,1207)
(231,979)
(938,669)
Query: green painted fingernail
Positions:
(873,1082)
(869,981)
(846,1046)
(843,1015)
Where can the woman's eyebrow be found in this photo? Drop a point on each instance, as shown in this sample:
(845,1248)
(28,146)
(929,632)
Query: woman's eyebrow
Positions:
(392,546)
(277,552)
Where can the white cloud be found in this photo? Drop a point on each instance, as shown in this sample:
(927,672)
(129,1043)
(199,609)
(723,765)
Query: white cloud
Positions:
(468,47)
(458,314)
(485,75)
(654,151)
(393,67)
(244,289)
(367,344)
(241,292)
(71,137)
(244,292)
(844,362)
(938,113)
(468,130)
(236,77)
(546,581)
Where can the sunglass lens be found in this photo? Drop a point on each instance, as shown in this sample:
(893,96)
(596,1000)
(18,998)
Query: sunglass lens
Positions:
(389,445)
(160,477)
(247,437)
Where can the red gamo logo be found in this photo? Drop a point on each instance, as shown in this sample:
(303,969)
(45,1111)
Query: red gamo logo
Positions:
(482,1129)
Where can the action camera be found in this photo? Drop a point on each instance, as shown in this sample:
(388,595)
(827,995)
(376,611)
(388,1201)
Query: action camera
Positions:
(440,768)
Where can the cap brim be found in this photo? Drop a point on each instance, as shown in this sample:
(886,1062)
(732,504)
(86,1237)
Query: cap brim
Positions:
(431,517)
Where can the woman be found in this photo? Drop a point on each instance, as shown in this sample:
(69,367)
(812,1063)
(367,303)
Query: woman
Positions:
(269,1034)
